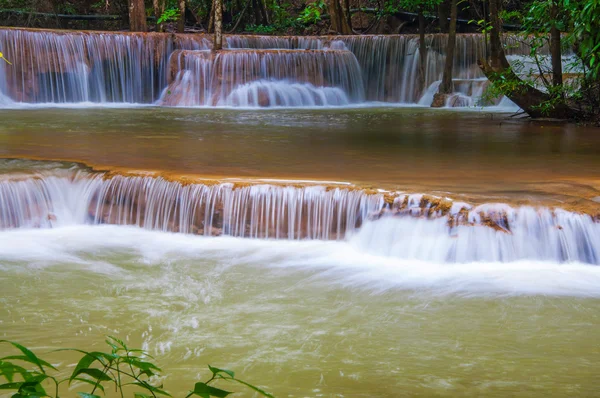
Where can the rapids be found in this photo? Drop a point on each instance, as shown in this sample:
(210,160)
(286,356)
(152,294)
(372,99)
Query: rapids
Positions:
(308,318)
(388,224)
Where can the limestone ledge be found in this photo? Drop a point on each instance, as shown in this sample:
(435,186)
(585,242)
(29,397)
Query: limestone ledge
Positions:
(111,206)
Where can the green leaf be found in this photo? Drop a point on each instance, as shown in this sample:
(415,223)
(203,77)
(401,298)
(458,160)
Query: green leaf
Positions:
(33,381)
(90,382)
(205,391)
(147,368)
(112,345)
(84,363)
(140,395)
(148,387)
(86,395)
(30,388)
(11,386)
(8,370)
(120,342)
(258,390)
(215,371)
(28,356)
(95,373)
(33,389)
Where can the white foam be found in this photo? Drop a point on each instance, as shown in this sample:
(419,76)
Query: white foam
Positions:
(91,247)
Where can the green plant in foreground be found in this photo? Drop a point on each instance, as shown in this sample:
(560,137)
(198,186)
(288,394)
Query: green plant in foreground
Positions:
(128,371)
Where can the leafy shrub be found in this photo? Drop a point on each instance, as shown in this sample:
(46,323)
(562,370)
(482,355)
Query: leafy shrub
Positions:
(261,29)
(312,12)
(169,15)
(122,368)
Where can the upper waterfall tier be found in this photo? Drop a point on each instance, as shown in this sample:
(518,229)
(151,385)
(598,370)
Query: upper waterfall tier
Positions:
(58,67)
(110,67)
(264,78)
(382,223)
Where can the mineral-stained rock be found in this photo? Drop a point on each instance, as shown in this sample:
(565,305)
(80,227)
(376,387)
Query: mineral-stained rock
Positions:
(439,100)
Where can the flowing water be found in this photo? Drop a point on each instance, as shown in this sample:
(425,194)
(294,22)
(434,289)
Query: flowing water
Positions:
(260,242)
(53,67)
(359,250)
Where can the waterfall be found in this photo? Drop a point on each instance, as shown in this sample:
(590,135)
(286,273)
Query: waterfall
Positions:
(283,42)
(264,78)
(386,224)
(110,67)
(258,211)
(529,234)
(286,94)
(58,67)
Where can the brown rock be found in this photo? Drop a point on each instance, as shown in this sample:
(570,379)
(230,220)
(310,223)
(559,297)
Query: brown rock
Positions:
(439,100)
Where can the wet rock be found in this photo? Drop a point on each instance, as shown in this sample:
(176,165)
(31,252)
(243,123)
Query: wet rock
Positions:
(439,100)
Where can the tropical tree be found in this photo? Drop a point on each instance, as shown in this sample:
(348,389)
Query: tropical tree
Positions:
(446,86)
(137,16)
(540,86)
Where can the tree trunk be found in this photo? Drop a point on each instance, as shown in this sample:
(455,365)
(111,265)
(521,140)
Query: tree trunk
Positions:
(137,16)
(497,57)
(181,20)
(443,16)
(527,97)
(446,86)
(555,51)
(211,18)
(263,12)
(218,22)
(345,5)
(257,14)
(422,52)
(159,8)
(339,19)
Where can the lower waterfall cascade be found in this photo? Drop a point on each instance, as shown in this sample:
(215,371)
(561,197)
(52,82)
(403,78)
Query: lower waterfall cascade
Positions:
(420,227)
(60,67)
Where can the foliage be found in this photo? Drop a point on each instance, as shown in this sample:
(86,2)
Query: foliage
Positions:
(169,15)
(481,23)
(515,16)
(580,27)
(418,5)
(22,5)
(98,5)
(312,13)
(391,7)
(67,8)
(261,29)
(125,369)
(280,15)
(586,33)
(280,20)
